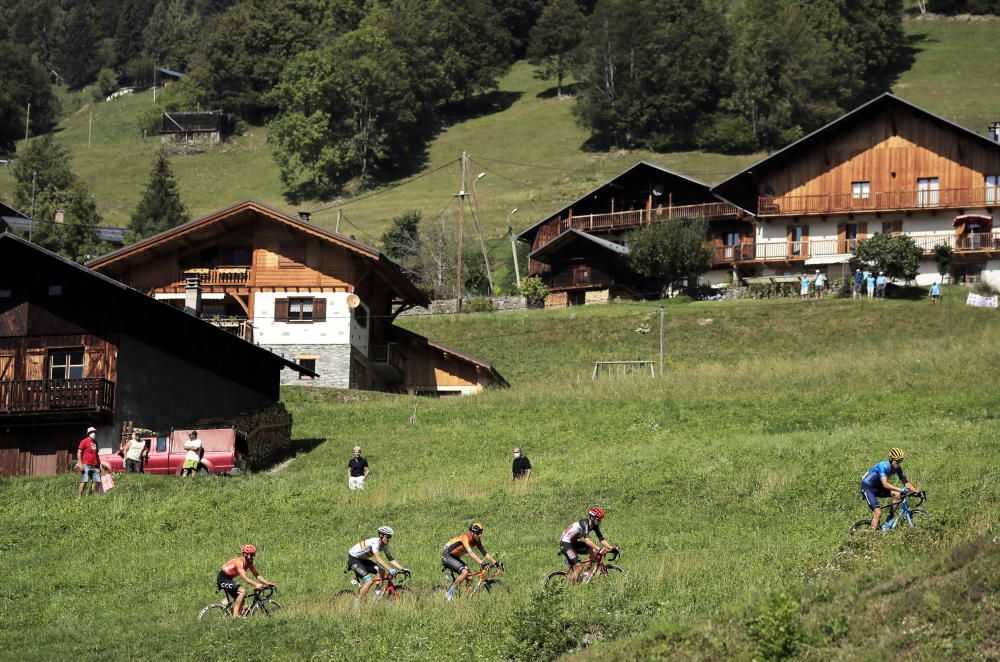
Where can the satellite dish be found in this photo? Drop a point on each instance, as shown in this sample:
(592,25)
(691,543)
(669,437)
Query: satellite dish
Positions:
(658,190)
(353,301)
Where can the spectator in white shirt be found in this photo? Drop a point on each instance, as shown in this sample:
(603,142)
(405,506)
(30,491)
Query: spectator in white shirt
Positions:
(193,458)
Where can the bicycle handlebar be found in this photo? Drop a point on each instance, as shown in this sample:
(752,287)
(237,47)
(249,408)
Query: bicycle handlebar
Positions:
(611,554)
(266,592)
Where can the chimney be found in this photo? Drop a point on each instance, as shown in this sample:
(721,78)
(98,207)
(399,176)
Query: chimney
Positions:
(994,132)
(304,216)
(192,296)
(60,216)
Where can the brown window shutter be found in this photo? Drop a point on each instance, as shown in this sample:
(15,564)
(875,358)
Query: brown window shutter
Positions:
(841,237)
(789,234)
(281,310)
(319,310)
(805,241)
(862,231)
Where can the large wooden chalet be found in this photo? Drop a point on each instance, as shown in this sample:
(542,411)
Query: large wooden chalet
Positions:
(318,297)
(888,167)
(80,349)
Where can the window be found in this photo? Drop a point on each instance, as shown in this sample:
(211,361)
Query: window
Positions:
(161,444)
(307,362)
(927,192)
(797,234)
(992,189)
(241,256)
(292,256)
(300,310)
(66,363)
(861,190)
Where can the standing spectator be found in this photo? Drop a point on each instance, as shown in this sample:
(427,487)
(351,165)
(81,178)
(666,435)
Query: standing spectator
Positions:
(357,470)
(194,449)
(522,465)
(136,454)
(89,462)
(820,285)
(858,283)
(880,284)
(935,292)
(870,283)
(805,286)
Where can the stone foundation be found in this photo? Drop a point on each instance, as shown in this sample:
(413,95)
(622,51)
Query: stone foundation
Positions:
(333,363)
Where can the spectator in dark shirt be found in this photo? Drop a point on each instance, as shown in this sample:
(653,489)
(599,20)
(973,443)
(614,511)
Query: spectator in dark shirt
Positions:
(522,465)
(357,470)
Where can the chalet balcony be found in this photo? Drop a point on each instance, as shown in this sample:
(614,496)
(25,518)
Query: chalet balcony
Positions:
(623,220)
(216,275)
(831,203)
(578,277)
(387,361)
(790,251)
(56,396)
(236,326)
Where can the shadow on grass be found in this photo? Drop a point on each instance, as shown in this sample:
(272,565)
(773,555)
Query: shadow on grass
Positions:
(296,448)
(568,90)
(481,105)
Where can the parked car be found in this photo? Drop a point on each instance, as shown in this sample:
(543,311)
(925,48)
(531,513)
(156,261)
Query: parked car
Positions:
(225,452)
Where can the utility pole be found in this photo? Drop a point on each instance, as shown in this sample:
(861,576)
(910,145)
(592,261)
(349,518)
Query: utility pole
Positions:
(461,229)
(340,215)
(90,128)
(661,342)
(27,123)
(31,212)
(513,248)
(154,82)
(479,229)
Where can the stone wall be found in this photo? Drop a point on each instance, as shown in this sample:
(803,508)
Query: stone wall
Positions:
(333,364)
(597,296)
(447,306)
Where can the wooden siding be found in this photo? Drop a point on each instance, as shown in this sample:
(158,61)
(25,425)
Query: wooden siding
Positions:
(891,150)
(427,368)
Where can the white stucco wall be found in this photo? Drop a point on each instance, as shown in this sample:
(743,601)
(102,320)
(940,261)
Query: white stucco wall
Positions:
(338,329)
(991,274)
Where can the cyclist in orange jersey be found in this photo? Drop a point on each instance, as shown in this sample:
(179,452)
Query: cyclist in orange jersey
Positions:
(237,568)
(454,549)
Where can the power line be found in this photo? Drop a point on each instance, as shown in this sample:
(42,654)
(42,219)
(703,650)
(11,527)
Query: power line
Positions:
(550,167)
(385,189)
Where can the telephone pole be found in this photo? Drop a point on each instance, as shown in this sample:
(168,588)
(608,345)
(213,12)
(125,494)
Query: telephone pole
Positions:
(513,248)
(90,128)
(461,229)
(661,342)
(479,229)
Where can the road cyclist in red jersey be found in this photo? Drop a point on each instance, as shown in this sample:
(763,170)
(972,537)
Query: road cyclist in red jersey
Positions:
(575,541)
(236,569)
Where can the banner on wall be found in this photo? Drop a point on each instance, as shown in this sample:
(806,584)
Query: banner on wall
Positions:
(979,301)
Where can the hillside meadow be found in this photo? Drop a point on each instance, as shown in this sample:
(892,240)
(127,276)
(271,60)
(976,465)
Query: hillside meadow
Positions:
(730,484)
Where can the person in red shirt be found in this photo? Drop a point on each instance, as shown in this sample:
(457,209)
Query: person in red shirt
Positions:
(89,463)
(235,569)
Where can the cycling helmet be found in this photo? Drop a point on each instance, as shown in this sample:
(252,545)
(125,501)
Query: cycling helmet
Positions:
(896,454)
(248,549)
(385,531)
(476,527)
(596,512)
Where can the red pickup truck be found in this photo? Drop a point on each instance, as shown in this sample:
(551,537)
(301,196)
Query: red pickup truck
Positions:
(225,451)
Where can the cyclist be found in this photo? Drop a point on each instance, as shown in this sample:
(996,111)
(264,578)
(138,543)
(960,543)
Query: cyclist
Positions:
(575,541)
(454,549)
(366,559)
(875,484)
(237,568)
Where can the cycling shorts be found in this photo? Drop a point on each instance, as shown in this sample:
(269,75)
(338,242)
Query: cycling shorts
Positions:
(872,493)
(362,567)
(573,551)
(453,564)
(228,584)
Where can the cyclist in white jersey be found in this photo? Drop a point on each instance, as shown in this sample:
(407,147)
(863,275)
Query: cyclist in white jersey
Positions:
(366,557)
(575,541)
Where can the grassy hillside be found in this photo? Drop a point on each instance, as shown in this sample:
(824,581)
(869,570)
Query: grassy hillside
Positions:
(729,484)
(532,127)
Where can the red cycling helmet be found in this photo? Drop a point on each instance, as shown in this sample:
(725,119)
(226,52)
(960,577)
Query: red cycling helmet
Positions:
(248,549)
(596,512)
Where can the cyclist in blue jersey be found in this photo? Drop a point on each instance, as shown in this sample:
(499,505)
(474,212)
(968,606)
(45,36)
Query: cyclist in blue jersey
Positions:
(875,484)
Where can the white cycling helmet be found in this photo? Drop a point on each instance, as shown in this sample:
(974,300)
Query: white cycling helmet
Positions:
(386,531)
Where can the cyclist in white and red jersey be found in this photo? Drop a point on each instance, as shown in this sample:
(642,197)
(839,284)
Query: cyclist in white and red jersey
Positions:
(365,558)
(575,541)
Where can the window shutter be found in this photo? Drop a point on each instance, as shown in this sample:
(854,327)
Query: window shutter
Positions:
(862,231)
(805,241)
(842,237)
(789,237)
(94,364)
(281,310)
(34,364)
(319,310)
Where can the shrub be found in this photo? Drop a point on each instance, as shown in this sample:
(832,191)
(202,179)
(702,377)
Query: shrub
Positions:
(545,629)
(534,290)
(107,82)
(479,305)
(776,629)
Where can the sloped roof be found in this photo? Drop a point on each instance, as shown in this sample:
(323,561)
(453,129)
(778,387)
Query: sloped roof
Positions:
(391,271)
(110,234)
(739,187)
(572,235)
(148,314)
(493,375)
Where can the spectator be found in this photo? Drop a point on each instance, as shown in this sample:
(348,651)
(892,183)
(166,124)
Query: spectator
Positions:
(194,449)
(522,465)
(880,284)
(88,462)
(136,454)
(870,283)
(858,283)
(935,292)
(820,285)
(357,470)
(805,286)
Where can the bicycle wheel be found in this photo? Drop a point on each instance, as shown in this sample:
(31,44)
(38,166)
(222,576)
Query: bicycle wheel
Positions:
(860,525)
(919,515)
(612,571)
(216,612)
(404,595)
(269,607)
(496,587)
(557,577)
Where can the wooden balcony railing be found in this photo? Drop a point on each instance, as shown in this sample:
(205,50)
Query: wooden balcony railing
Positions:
(217,275)
(801,250)
(621,220)
(238,327)
(55,395)
(956,198)
(577,277)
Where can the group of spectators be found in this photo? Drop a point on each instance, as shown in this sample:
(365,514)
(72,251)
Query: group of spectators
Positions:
(866,282)
(358,469)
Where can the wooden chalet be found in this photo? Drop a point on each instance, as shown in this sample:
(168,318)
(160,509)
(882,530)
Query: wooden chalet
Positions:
(887,167)
(78,349)
(581,250)
(321,298)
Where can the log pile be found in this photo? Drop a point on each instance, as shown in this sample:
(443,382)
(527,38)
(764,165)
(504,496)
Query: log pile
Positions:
(268,432)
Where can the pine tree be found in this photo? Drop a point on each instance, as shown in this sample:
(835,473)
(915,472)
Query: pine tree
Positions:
(160,207)
(557,32)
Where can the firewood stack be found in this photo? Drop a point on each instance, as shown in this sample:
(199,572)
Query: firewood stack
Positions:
(268,431)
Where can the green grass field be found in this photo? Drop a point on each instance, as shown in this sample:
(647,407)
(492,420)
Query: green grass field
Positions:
(730,485)
(952,75)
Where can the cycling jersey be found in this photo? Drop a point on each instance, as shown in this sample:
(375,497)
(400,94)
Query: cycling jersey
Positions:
(368,547)
(580,529)
(883,469)
(459,545)
(233,567)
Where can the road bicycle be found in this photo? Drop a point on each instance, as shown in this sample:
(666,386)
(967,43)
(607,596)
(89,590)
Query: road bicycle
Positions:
(904,515)
(592,568)
(484,581)
(261,602)
(391,588)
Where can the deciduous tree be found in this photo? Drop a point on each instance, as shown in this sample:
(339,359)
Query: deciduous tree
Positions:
(671,251)
(556,34)
(23,81)
(897,255)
